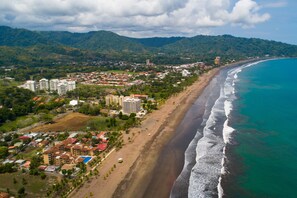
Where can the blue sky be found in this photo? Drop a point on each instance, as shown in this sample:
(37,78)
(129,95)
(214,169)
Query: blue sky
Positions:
(282,25)
(273,20)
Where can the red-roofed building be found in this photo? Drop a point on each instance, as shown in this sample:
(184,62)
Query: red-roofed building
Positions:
(4,195)
(23,138)
(70,141)
(140,96)
(102,146)
(102,136)
(26,164)
(42,168)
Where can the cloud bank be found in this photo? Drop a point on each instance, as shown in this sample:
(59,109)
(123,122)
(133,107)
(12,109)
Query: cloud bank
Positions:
(131,17)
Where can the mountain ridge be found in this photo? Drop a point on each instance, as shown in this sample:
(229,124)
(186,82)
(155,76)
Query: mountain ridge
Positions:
(162,50)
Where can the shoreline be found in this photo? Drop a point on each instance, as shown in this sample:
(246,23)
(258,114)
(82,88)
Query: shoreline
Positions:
(134,175)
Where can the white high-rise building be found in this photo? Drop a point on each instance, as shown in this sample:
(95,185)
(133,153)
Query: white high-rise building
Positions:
(54,84)
(131,105)
(62,88)
(31,85)
(71,85)
(43,84)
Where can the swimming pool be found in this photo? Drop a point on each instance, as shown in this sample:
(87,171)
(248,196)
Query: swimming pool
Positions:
(86,159)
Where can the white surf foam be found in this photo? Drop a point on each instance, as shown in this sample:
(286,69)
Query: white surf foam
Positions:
(206,175)
(230,83)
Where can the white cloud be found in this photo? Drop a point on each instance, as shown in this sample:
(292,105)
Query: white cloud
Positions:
(131,17)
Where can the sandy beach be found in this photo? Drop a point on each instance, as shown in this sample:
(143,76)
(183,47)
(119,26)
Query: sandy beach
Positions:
(141,153)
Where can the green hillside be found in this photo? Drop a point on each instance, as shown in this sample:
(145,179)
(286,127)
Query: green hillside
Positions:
(227,45)
(102,41)
(20,46)
(20,37)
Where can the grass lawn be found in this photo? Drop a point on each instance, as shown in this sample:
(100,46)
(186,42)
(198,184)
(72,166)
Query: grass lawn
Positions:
(19,123)
(96,88)
(35,187)
(29,153)
(100,123)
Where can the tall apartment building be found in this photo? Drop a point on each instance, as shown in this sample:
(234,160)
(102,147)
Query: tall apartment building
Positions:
(131,105)
(43,84)
(114,100)
(71,85)
(31,85)
(62,88)
(54,84)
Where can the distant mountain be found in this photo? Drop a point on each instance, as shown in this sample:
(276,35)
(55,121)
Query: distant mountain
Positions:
(227,45)
(20,46)
(45,55)
(103,41)
(20,37)
(156,41)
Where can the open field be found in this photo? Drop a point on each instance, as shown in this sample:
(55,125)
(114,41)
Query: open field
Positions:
(71,122)
(34,187)
(19,123)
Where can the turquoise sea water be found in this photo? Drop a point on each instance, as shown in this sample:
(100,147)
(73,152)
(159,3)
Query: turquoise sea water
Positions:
(265,119)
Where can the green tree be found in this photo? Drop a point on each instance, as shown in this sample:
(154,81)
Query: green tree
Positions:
(21,191)
(42,175)
(3,152)
(24,181)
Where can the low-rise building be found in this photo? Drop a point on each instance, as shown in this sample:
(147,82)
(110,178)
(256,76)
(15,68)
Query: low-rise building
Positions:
(66,152)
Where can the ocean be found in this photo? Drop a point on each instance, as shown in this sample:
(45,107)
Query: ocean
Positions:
(246,143)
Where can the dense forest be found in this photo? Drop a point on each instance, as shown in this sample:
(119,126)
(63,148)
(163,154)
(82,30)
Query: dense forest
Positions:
(15,102)
(48,48)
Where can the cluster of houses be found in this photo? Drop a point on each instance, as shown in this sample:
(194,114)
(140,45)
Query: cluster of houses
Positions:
(30,139)
(64,154)
(71,151)
(102,78)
